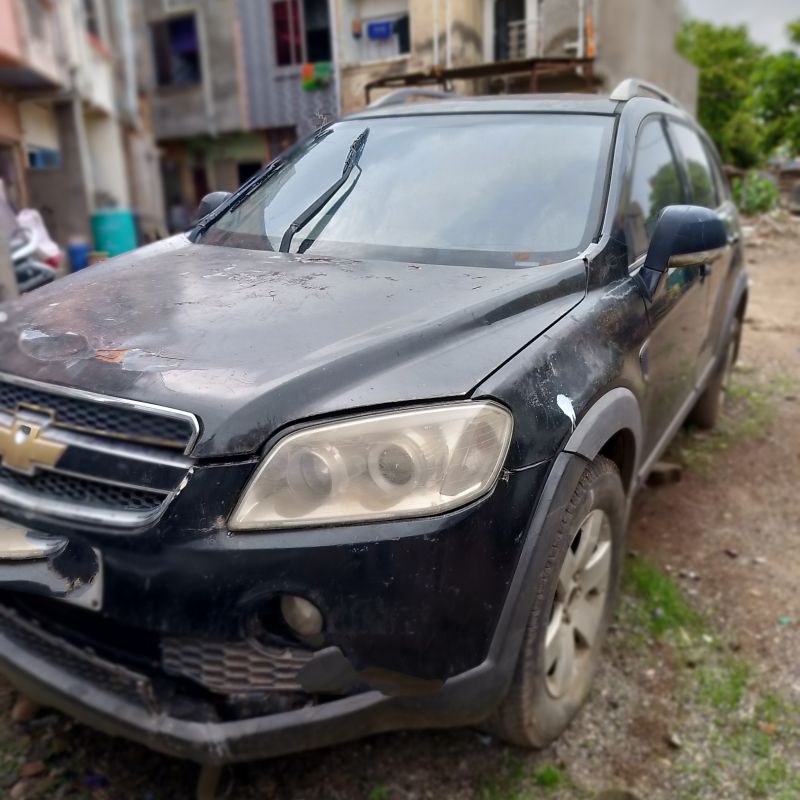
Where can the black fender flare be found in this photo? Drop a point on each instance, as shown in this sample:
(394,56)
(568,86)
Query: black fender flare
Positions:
(615,411)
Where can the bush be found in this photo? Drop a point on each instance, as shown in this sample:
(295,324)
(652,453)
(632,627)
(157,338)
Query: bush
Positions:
(755,194)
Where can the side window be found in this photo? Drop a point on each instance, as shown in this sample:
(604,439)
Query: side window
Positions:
(655,183)
(720,180)
(698,166)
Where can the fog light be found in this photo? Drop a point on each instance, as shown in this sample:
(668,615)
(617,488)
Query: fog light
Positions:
(302,616)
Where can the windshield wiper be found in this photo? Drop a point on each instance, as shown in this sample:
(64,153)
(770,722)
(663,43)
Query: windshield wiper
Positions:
(256,183)
(239,197)
(351,162)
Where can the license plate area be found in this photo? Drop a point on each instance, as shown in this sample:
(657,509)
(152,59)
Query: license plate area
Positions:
(52,566)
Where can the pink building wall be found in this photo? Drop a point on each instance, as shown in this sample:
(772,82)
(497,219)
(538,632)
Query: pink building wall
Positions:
(10,38)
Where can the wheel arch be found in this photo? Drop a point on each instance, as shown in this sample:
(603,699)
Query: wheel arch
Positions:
(612,427)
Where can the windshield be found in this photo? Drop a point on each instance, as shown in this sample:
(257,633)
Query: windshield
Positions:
(472,189)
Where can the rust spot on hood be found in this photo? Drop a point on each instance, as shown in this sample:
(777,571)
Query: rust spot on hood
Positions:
(112,356)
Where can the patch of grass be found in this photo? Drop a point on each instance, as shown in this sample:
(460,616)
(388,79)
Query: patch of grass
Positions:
(507,784)
(662,605)
(739,739)
(380,792)
(514,782)
(723,686)
(548,776)
(749,413)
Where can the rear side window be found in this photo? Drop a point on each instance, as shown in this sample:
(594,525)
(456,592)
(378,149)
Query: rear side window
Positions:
(655,183)
(721,182)
(698,166)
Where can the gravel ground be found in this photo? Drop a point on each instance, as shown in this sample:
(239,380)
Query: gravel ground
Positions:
(699,693)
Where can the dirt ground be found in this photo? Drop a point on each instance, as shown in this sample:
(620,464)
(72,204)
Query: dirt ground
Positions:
(699,694)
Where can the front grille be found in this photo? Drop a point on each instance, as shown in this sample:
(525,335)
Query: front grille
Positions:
(102,674)
(118,466)
(113,419)
(233,667)
(69,489)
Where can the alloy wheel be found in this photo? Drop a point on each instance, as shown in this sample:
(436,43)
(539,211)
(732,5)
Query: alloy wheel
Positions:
(578,604)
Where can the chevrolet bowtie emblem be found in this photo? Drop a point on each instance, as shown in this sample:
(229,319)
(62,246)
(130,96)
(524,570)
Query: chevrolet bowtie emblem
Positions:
(23,447)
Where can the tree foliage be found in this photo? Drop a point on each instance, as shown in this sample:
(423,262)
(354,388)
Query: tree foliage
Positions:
(749,99)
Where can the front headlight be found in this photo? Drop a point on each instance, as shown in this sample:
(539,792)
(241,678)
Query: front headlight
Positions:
(383,466)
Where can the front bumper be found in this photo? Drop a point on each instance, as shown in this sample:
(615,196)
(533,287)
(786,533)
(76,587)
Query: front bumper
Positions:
(406,604)
(121,702)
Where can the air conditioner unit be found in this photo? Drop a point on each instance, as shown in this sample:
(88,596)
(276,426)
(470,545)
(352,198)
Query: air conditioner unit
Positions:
(174,6)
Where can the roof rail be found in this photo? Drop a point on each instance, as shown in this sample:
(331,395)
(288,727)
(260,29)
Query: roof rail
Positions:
(400,96)
(633,87)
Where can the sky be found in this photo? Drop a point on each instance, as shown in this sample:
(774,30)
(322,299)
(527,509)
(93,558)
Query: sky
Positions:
(766,18)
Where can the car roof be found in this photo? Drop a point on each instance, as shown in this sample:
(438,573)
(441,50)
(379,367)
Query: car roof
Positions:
(515,103)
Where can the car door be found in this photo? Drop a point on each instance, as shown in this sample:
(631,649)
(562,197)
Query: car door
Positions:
(671,354)
(706,188)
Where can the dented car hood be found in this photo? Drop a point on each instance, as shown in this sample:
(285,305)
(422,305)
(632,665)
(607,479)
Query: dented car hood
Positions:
(250,341)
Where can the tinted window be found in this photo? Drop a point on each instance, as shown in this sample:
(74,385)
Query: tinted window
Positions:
(655,183)
(491,189)
(698,168)
(720,181)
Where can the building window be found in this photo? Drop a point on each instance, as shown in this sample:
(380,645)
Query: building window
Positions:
(286,23)
(43,158)
(379,31)
(318,30)
(302,31)
(176,48)
(90,18)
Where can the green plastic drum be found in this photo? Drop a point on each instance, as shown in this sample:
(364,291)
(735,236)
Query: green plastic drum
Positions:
(114,231)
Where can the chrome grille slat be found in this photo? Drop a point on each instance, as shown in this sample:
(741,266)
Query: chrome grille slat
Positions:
(74,489)
(77,409)
(103,476)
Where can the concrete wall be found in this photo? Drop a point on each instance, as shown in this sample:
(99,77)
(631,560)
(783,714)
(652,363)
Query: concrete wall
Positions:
(10,128)
(275,95)
(104,137)
(144,179)
(213,106)
(466,32)
(39,125)
(89,62)
(61,194)
(43,52)
(466,45)
(10,35)
(636,38)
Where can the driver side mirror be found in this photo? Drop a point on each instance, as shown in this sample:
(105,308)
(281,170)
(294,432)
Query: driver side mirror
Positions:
(685,236)
(211,202)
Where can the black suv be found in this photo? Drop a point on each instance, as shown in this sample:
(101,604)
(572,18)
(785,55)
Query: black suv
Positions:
(357,453)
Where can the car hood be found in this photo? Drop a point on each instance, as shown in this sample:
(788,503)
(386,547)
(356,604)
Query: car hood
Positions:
(250,341)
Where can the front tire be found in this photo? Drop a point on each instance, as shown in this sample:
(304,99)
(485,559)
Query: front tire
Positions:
(581,562)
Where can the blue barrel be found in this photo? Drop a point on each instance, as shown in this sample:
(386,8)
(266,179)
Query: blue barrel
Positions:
(114,231)
(78,254)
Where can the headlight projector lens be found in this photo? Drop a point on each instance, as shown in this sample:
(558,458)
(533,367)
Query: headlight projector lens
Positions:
(316,472)
(399,465)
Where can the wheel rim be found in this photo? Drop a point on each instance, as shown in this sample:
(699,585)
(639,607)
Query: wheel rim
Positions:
(577,610)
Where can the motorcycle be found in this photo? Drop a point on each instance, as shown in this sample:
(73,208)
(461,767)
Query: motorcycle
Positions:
(30,271)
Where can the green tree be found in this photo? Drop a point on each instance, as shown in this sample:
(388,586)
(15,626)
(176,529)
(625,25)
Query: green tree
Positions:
(776,98)
(794,32)
(726,59)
